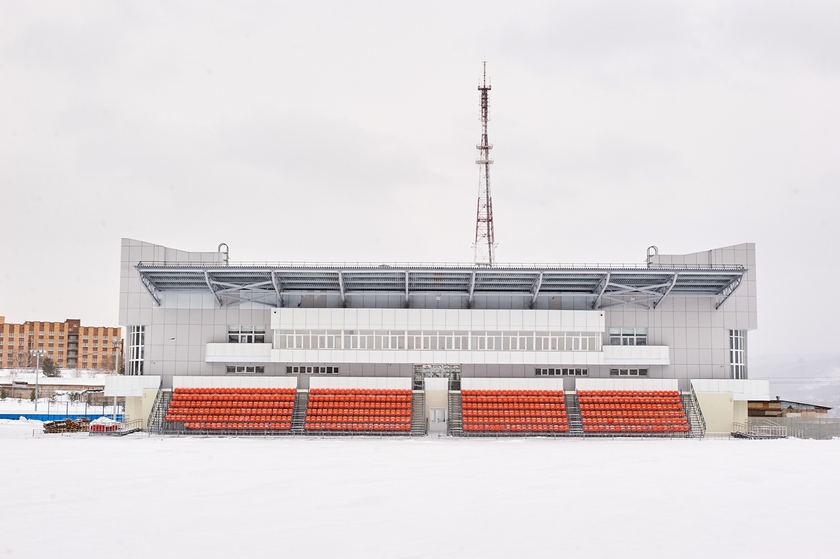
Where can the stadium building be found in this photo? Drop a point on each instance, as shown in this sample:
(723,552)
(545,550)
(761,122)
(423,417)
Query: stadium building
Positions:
(439,336)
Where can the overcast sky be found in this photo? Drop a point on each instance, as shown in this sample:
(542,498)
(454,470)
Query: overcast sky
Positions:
(346,131)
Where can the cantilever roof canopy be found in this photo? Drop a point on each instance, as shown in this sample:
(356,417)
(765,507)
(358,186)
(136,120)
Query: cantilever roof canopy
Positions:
(639,285)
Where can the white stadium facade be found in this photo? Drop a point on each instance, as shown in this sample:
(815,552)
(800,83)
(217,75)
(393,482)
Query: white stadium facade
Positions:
(651,349)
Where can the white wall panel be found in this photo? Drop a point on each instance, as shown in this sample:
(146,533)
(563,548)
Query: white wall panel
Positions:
(754,389)
(390,383)
(511,384)
(437,319)
(238,353)
(233,382)
(636,355)
(130,386)
(626,384)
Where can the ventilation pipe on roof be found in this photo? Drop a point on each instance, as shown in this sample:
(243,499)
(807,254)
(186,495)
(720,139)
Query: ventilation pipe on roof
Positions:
(225,252)
(652,251)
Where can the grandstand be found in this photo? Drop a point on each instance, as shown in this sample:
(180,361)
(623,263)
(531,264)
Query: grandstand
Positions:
(412,349)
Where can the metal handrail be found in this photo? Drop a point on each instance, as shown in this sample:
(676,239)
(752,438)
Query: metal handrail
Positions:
(696,404)
(155,405)
(448,265)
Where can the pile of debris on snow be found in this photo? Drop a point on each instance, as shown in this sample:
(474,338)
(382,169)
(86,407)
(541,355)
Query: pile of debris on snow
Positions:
(104,425)
(67,426)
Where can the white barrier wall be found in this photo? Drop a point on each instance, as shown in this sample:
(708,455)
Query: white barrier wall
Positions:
(388,383)
(238,353)
(739,389)
(626,384)
(130,387)
(234,382)
(436,384)
(512,384)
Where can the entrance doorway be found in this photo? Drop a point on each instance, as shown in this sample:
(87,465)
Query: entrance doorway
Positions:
(451,372)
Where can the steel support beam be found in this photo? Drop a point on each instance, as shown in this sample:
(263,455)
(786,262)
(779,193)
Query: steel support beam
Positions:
(668,290)
(471,294)
(728,291)
(277,289)
(149,287)
(535,289)
(212,289)
(599,294)
(341,289)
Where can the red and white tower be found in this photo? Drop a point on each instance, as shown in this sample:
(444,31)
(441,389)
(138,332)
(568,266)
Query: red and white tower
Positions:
(485,242)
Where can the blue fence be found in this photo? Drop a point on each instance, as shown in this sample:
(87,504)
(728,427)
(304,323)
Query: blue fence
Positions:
(56,416)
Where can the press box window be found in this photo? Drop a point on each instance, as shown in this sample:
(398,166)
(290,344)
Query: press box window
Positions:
(247,369)
(246,335)
(628,336)
(628,372)
(548,372)
(311,370)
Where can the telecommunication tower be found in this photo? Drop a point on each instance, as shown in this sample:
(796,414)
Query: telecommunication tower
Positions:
(485,242)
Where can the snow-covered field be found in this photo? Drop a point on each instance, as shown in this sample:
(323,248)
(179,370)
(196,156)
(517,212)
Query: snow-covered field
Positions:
(141,496)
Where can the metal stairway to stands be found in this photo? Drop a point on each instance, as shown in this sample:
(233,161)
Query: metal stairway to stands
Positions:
(299,413)
(157,416)
(573,414)
(418,412)
(696,421)
(455,423)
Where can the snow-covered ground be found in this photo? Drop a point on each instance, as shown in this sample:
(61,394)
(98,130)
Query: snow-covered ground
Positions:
(141,496)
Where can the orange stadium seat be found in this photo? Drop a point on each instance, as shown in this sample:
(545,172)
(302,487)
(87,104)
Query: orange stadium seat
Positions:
(232,409)
(358,410)
(521,412)
(640,412)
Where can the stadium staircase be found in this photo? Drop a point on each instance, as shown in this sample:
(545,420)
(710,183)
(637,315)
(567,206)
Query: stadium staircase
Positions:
(696,422)
(455,426)
(299,414)
(157,416)
(418,412)
(573,414)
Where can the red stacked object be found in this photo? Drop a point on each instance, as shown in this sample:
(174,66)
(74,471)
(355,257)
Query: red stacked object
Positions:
(514,411)
(233,409)
(358,409)
(632,411)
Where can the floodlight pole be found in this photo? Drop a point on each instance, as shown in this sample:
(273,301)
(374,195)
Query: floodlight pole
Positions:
(37,353)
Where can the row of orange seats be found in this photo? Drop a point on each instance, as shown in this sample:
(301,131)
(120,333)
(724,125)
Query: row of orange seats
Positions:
(511,393)
(630,407)
(636,429)
(512,400)
(233,397)
(493,406)
(625,413)
(231,426)
(236,405)
(650,393)
(358,414)
(358,391)
(511,413)
(360,405)
(514,428)
(343,397)
(227,417)
(621,401)
(515,420)
(384,426)
(174,415)
(266,391)
(638,421)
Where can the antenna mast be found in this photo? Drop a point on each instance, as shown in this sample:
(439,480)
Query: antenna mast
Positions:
(485,242)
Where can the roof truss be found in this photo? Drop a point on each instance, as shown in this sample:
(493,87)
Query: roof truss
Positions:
(646,287)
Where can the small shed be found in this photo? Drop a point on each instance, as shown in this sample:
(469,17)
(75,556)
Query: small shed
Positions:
(785,408)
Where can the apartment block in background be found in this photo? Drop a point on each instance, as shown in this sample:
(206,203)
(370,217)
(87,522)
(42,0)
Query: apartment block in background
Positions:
(68,343)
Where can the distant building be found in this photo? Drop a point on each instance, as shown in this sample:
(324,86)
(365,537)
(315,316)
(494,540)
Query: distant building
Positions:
(786,408)
(68,343)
